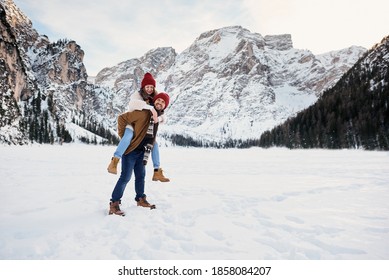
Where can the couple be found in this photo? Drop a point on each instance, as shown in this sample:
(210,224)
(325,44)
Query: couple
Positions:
(138,128)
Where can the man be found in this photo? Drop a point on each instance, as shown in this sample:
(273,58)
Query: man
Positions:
(133,157)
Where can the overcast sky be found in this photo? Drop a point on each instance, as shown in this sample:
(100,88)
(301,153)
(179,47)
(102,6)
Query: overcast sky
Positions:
(113,31)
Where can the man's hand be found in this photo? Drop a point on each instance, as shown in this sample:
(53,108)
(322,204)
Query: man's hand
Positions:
(162,118)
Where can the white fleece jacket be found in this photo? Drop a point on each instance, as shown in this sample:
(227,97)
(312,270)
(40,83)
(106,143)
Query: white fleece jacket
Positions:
(137,103)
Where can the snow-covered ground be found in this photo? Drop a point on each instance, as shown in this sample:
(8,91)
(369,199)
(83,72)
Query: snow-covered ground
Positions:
(273,204)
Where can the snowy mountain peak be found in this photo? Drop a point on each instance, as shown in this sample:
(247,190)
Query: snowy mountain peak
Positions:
(231,84)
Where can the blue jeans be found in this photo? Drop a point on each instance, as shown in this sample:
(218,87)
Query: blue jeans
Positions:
(125,142)
(131,162)
(155,156)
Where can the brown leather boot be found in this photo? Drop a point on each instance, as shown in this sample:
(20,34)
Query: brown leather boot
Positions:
(158,176)
(113,165)
(144,203)
(114,208)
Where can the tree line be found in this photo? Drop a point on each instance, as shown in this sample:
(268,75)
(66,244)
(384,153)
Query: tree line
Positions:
(43,126)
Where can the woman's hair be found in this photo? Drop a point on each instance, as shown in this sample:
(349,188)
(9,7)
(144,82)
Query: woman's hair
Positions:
(147,97)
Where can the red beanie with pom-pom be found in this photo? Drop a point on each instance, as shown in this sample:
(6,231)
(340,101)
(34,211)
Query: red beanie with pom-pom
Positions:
(148,80)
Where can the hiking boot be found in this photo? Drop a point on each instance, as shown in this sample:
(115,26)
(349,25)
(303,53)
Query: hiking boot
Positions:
(144,203)
(114,208)
(158,176)
(113,165)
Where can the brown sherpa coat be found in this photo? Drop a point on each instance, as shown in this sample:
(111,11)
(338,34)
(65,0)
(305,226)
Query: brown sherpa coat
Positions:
(139,120)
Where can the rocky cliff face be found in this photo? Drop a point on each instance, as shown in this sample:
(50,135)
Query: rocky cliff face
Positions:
(45,94)
(14,82)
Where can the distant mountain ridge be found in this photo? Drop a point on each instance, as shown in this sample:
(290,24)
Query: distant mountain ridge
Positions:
(231,84)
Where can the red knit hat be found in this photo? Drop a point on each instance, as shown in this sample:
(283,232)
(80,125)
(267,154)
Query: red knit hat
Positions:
(164,96)
(148,80)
